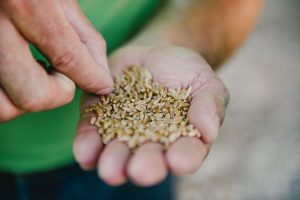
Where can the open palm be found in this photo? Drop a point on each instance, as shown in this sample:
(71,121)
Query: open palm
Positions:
(172,67)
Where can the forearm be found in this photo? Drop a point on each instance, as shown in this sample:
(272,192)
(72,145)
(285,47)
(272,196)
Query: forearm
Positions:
(214,28)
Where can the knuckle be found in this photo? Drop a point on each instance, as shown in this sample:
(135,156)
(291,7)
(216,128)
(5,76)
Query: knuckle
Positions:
(65,62)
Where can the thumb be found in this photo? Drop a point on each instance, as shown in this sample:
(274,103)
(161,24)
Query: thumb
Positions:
(207,109)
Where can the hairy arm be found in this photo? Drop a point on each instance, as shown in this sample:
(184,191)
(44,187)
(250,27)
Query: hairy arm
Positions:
(214,28)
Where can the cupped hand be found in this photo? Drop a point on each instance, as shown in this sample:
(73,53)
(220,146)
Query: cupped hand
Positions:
(63,34)
(173,67)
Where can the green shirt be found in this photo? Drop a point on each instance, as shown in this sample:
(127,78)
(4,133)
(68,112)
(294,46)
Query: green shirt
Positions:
(42,141)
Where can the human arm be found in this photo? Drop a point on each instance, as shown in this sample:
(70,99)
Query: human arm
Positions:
(213,28)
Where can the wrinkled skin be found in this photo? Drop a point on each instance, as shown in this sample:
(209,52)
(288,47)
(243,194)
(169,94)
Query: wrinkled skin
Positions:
(60,30)
(173,67)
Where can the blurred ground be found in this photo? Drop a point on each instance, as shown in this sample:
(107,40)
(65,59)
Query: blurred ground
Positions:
(257,154)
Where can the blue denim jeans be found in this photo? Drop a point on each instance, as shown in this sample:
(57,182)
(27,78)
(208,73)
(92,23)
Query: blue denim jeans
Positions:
(71,183)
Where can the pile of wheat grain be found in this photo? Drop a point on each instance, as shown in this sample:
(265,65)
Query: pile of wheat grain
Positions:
(139,110)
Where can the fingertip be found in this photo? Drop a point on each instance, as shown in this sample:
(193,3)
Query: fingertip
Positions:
(112,179)
(103,83)
(87,166)
(209,127)
(112,163)
(147,167)
(204,114)
(186,155)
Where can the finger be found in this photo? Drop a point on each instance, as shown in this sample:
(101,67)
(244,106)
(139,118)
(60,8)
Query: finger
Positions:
(26,83)
(207,109)
(112,164)
(51,32)
(87,144)
(186,155)
(147,166)
(86,32)
(8,110)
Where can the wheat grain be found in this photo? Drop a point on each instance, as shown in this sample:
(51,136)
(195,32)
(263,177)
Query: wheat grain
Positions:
(140,111)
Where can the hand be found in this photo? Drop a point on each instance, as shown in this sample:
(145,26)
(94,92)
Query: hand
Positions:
(63,34)
(173,67)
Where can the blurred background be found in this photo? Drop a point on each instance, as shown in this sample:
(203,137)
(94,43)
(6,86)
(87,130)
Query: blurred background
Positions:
(257,153)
